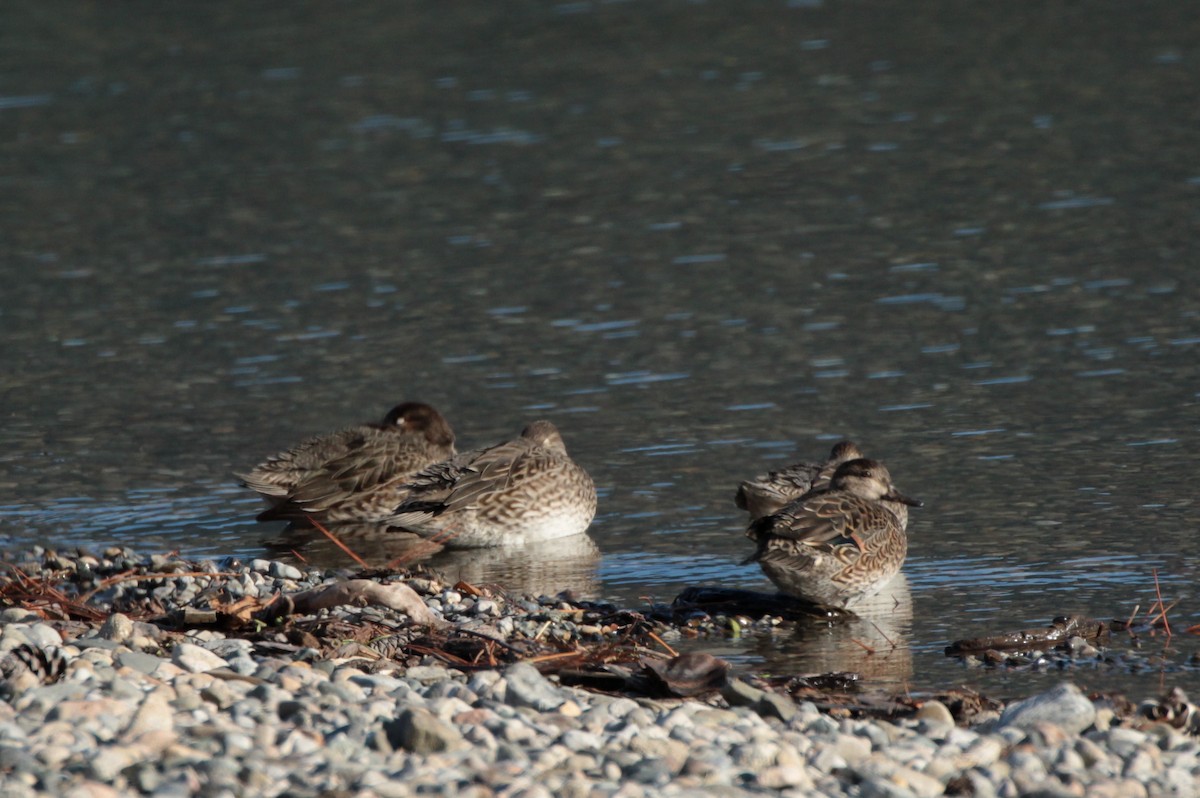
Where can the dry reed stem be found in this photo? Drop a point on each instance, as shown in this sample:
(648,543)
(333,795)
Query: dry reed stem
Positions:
(361,562)
(861,644)
(1158,592)
(662,643)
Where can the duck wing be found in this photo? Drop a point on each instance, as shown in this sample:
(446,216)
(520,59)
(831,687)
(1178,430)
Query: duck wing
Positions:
(279,473)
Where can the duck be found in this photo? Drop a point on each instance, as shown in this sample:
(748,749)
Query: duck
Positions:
(838,545)
(353,475)
(524,490)
(768,493)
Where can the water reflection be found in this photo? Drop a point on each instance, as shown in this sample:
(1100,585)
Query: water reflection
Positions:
(875,642)
(543,568)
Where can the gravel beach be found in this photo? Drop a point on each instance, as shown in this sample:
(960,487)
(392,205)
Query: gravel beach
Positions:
(217,698)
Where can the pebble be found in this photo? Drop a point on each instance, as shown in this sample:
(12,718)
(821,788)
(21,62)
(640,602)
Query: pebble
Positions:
(935,714)
(195,659)
(150,711)
(528,688)
(1064,705)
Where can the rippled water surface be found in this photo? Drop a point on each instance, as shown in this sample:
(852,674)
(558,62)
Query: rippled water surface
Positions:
(705,239)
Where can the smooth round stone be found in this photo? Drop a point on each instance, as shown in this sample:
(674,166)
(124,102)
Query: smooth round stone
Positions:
(117,627)
(218,693)
(138,661)
(824,726)
(427,673)
(779,777)
(581,741)
(526,687)
(755,756)
(43,636)
(451,688)
(935,713)
(1064,705)
(194,659)
(345,691)
(243,665)
(281,570)
(378,682)
(230,647)
(852,748)
(447,707)
(11,615)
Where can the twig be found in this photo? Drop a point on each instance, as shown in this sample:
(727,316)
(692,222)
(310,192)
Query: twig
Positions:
(542,631)
(559,655)
(863,645)
(361,562)
(1132,615)
(662,643)
(1158,592)
(427,547)
(882,634)
(491,639)
(434,652)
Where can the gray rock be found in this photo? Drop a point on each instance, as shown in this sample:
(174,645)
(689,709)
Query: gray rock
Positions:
(43,636)
(485,682)
(421,732)
(1064,705)
(773,705)
(18,615)
(117,628)
(281,570)
(218,693)
(935,713)
(778,777)
(154,715)
(230,647)
(98,643)
(427,673)
(880,787)
(195,659)
(108,763)
(136,660)
(529,688)
(740,694)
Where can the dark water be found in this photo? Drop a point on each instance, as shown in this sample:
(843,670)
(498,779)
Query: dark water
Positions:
(705,239)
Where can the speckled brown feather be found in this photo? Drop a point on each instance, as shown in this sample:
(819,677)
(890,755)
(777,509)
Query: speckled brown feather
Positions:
(499,493)
(768,493)
(838,545)
(364,467)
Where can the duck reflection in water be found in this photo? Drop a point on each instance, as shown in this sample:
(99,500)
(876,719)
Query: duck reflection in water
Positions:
(874,641)
(544,568)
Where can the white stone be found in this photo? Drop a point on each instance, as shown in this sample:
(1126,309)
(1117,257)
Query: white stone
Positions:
(194,659)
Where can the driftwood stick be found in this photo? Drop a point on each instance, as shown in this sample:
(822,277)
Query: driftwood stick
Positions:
(1090,629)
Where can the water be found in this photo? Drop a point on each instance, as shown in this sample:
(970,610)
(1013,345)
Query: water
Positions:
(706,240)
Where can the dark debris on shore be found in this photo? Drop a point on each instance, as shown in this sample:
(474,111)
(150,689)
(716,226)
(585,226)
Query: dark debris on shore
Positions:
(410,618)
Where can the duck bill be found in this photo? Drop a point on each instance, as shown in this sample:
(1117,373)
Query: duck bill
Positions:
(897,496)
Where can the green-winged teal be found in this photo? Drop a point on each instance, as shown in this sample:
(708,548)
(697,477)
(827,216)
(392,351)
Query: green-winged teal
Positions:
(353,475)
(838,545)
(768,493)
(522,491)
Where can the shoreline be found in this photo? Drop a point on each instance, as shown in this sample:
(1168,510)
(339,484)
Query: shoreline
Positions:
(272,680)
